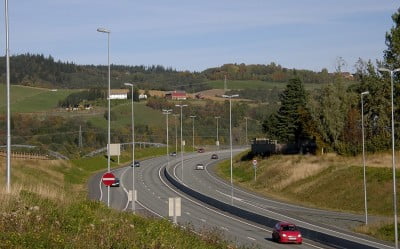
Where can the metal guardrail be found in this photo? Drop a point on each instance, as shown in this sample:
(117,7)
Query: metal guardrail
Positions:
(323,238)
(51,153)
(145,144)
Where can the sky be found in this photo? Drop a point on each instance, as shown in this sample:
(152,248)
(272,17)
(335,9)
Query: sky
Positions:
(196,35)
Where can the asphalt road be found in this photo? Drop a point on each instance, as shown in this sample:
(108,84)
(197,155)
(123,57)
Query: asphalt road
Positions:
(154,190)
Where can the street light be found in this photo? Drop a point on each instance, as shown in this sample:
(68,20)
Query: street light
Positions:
(103,30)
(230,137)
(391,72)
(181,106)
(363,151)
(8,102)
(176,133)
(133,152)
(217,142)
(193,130)
(167,112)
(247,141)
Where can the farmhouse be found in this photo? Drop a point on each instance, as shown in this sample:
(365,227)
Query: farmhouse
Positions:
(119,93)
(176,95)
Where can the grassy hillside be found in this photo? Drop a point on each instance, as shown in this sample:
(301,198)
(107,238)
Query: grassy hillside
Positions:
(48,209)
(30,99)
(314,181)
(253,84)
(144,115)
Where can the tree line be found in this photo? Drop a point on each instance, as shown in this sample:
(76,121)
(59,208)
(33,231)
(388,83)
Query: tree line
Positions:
(331,116)
(44,71)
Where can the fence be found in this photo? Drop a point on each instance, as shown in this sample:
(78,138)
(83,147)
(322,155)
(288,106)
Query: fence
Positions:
(24,155)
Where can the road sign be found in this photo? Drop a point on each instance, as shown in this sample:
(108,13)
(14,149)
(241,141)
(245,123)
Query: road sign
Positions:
(174,207)
(108,179)
(255,163)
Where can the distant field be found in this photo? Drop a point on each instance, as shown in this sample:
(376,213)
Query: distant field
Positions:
(143,115)
(29,99)
(253,84)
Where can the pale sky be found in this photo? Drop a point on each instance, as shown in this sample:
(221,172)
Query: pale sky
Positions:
(195,35)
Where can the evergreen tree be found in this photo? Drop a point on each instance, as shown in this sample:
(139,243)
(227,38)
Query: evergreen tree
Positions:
(392,53)
(286,124)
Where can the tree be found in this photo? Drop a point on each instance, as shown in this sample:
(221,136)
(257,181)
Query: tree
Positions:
(392,53)
(286,124)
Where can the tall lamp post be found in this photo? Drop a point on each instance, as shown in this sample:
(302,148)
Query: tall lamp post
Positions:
(176,133)
(230,137)
(391,72)
(133,153)
(193,117)
(363,151)
(167,112)
(217,142)
(8,102)
(247,140)
(103,30)
(181,106)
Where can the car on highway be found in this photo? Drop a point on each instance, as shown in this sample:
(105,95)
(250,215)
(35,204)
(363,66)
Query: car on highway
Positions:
(214,156)
(286,232)
(199,166)
(115,183)
(137,164)
(200,150)
(172,153)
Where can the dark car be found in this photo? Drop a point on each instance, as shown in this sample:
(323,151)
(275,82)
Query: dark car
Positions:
(137,164)
(214,156)
(172,153)
(115,183)
(285,232)
(200,150)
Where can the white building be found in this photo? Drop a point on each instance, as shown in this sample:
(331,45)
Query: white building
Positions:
(119,93)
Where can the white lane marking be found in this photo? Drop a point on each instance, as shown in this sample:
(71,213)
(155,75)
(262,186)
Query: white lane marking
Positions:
(125,190)
(235,198)
(101,191)
(250,238)
(203,220)
(224,228)
(217,212)
(299,221)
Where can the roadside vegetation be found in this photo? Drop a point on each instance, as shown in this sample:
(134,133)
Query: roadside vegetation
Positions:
(48,208)
(326,181)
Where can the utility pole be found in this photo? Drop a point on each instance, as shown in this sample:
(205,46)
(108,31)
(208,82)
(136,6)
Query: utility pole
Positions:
(176,133)
(193,130)
(80,136)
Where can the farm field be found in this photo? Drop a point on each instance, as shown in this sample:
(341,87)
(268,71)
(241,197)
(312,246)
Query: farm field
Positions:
(30,99)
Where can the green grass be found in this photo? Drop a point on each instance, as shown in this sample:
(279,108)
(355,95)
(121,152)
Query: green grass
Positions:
(144,115)
(29,99)
(319,185)
(254,84)
(48,208)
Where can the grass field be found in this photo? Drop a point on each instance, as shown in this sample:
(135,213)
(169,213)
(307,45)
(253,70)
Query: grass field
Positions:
(30,99)
(254,84)
(313,181)
(48,208)
(143,116)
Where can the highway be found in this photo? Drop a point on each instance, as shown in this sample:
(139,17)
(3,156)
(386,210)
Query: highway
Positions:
(154,190)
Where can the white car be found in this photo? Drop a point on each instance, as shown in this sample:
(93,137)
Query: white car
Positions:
(199,166)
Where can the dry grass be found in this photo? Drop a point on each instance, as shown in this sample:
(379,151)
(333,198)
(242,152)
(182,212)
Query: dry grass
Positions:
(37,176)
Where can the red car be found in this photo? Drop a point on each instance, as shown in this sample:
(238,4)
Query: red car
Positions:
(285,232)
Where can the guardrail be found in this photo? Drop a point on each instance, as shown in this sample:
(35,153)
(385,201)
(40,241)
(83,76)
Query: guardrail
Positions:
(144,144)
(323,238)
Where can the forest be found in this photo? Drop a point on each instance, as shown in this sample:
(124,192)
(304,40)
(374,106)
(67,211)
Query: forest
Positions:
(44,71)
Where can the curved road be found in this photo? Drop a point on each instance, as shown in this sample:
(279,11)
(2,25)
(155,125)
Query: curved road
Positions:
(154,190)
